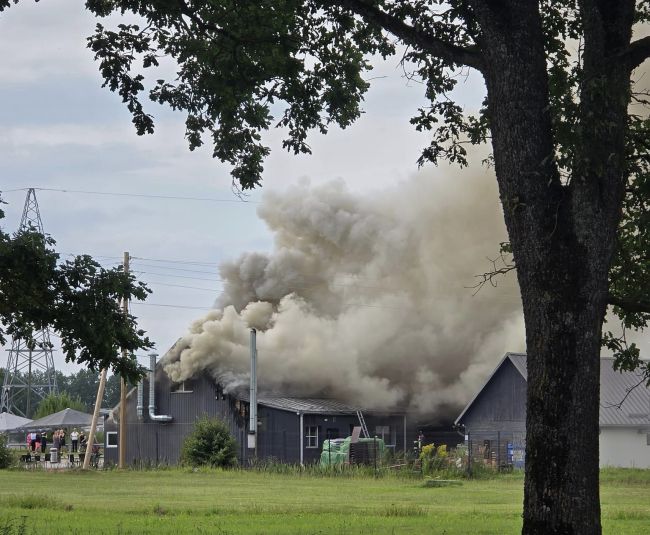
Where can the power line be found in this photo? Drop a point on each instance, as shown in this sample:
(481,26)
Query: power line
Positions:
(178,269)
(182,286)
(173,275)
(202,263)
(167,305)
(139,195)
(192,262)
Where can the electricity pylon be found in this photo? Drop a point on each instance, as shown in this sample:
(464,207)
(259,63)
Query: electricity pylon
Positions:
(30,374)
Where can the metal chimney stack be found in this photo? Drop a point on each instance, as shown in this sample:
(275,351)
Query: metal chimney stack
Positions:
(252,429)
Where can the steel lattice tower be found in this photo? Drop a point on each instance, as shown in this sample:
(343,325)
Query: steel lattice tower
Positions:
(30,374)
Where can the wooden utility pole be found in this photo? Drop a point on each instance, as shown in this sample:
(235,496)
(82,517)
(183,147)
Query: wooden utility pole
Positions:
(122,434)
(93,425)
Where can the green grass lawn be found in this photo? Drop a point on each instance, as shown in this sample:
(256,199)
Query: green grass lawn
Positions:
(234,502)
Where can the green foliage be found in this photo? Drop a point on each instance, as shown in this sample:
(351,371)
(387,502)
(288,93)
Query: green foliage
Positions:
(209,444)
(57,402)
(236,65)
(78,298)
(433,458)
(6,458)
(300,65)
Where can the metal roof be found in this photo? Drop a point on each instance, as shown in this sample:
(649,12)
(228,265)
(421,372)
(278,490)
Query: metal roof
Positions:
(519,361)
(65,418)
(624,397)
(304,405)
(11,421)
(308,405)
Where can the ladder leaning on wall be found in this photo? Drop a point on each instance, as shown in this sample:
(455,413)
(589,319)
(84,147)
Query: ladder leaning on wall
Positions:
(364,427)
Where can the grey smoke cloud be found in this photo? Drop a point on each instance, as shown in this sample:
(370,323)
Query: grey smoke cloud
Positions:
(365,297)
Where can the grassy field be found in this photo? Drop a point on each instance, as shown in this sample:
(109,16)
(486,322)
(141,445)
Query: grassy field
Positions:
(235,502)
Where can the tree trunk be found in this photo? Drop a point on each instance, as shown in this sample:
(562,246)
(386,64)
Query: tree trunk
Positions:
(563,344)
(563,235)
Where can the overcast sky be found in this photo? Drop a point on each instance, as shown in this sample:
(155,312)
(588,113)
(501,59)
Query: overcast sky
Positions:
(59,129)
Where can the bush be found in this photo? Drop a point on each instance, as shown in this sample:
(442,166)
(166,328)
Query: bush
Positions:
(210,444)
(6,458)
(433,458)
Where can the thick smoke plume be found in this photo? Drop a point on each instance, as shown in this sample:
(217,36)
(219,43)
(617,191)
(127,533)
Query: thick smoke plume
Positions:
(365,298)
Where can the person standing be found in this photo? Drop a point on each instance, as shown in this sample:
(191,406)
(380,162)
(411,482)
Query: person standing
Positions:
(74,437)
(43,442)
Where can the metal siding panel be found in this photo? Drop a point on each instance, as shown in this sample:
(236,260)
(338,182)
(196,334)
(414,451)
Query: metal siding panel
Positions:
(149,442)
(501,403)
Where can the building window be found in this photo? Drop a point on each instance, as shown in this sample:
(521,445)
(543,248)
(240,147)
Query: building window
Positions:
(184,386)
(111,439)
(311,435)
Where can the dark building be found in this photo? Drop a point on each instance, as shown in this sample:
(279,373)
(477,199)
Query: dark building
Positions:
(290,430)
(495,419)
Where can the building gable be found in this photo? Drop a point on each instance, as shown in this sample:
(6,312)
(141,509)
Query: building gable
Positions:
(501,400)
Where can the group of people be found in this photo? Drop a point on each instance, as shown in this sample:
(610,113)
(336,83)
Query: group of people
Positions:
(38,441)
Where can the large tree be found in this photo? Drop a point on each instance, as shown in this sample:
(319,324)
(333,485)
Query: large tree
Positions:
(78,298)
(570,158)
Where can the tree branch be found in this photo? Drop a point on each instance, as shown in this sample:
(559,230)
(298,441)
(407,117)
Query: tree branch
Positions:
(637,52)
(411,36)
(629,305)
(628,391)
(492,277)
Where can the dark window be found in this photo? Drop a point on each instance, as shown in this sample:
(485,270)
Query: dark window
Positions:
(184,386)
(111,439)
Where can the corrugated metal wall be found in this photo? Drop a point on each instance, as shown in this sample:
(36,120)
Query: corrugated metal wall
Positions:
(496,421)
(279,431)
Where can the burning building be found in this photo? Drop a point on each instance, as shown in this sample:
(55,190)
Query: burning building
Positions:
(367,300)
(161,413)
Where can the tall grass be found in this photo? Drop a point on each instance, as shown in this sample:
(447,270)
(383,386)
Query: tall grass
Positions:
(13,526)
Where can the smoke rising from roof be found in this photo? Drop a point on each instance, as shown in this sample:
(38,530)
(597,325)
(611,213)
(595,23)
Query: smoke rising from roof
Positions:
(365,298)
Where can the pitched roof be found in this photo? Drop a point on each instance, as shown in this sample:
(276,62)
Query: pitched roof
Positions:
(307,405)
(10,421)
(517,362)
(624,398)
(66,417)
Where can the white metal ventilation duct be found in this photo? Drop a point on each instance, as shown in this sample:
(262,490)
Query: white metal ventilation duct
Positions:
(152,392)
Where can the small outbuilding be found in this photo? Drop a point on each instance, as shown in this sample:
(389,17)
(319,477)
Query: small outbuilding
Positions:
(495,419)
(290,430)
